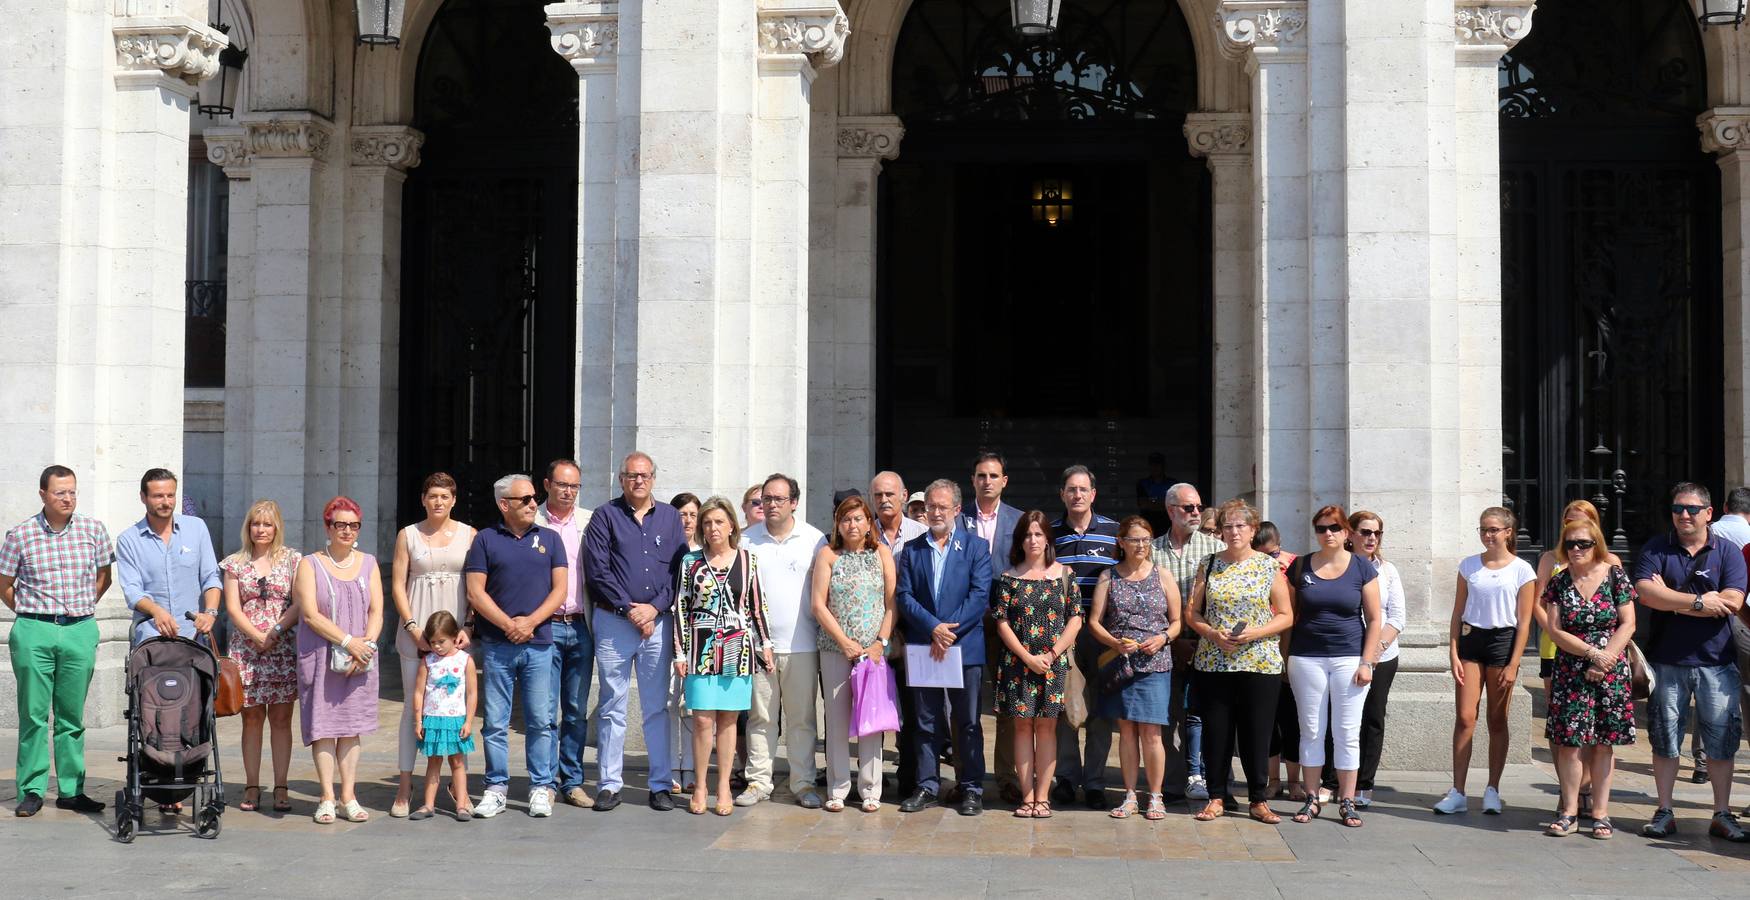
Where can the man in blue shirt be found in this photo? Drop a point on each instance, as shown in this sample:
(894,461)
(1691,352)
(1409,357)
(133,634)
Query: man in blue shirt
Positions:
(1692,583)
(166,566)
(631,555)
(516,575)
(1087,543)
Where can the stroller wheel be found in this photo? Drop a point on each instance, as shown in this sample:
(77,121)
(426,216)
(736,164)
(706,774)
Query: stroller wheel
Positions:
(207,824)
(124,818)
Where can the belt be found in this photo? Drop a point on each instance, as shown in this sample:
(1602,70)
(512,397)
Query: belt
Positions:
(609,608)
(54,619)
(566,617)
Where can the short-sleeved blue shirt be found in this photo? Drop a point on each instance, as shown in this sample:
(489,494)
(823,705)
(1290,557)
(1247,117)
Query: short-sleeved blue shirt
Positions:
(519,573)
(1677,639)
(1328,615)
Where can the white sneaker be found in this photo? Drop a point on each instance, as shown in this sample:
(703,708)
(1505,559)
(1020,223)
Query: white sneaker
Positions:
(1363,799)
(1453,802)
(491,804)
(540,803)
(1492,802)
(1197,788)
(752,795)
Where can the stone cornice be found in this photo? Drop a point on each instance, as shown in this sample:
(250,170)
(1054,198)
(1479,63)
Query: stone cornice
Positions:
(587,35)
(394,146)
(1220,136)
(869,137)
(814,32)
(1484,30)
(169,51)
(228,148)
(1725,129)
(287,135)
(1261,28)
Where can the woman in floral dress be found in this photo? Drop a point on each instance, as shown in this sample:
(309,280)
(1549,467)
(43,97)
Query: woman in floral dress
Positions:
(1038,612)
(1590,607)
(258,599)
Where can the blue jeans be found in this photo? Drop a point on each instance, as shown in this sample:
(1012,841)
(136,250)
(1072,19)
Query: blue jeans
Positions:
(620,652)
(1715,689)
(1193,723)
(573,670)
(507,666)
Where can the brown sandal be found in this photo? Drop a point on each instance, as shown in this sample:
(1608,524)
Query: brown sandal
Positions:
(1263,813)
(1211,811)
(282,798)
(1042,809)
(251,799)
(1025,810)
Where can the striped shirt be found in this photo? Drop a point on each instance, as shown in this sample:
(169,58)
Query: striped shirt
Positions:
(56,571)
(1087,553)
(1184,563)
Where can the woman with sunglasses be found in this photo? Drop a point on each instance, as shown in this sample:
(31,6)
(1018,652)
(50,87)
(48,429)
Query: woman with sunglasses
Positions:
(1590,606)
(1367,533)
(258,600)
(1491,620)
(340,600)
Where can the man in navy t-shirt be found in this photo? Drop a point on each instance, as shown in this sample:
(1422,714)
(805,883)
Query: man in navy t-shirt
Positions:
(516,576)
(1692,583)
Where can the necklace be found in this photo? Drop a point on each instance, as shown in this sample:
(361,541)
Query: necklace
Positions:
(352,557)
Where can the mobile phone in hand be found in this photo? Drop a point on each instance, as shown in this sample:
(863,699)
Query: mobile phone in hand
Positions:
(1236,630)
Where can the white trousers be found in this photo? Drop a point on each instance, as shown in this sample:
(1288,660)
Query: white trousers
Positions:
(1326,696)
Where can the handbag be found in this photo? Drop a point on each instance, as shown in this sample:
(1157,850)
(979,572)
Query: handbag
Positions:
(874,698)
(1114,671)
(340,660)
(1075,696)
(1641,680)
(228,690)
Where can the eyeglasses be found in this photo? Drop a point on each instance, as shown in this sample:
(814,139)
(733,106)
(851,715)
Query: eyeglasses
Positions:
(63,495)
(938,508)
(1370,533)
(1571,546)
(562,486)
(1491,531)
(774,501)
(1689,509)
(1235,526)
(1189,509)
(1136,540)
(638,476)
(344,526)
(524,500)
(1331,528)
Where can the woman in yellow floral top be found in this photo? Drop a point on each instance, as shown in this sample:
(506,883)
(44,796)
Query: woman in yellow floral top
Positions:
(1038,612)
(1239,607)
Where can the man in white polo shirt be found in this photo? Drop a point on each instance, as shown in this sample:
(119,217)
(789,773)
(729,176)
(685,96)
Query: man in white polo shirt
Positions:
(783,547)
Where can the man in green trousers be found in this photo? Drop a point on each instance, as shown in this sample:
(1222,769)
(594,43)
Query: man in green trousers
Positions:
(53,567)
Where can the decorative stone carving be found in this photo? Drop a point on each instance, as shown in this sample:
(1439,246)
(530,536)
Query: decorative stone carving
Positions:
(1725,129)
(287,135)
(1215,135)
(870,137)
(1261,26)
(1489,28)
(395,146)
(228,148)
(818,33)
(174,47)
(587,35)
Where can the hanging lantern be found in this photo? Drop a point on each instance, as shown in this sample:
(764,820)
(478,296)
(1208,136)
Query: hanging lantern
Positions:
(380,22)
(1722,12)
(1034,20)
(218,95)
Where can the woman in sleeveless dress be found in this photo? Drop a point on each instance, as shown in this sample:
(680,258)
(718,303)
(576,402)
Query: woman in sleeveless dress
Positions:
(258,598)
(852,598)
(426,577)
(340,602)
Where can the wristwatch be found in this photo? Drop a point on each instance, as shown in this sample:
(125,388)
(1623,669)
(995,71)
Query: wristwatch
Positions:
(209,612)
(411,625)
(1696,605)
(884,642)
(278,629)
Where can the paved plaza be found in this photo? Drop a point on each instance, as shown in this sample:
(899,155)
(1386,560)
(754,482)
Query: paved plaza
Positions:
(780,850)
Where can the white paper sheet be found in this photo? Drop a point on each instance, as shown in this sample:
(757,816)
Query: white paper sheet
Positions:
(922,669)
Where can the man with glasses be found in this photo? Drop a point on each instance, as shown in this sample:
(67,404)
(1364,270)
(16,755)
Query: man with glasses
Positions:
(573,644)
(992,519)
(1692,583)
(53,568)
(1180,553)
(517,575)
(1087,543)
(784,548)
(166,566)
(631,560)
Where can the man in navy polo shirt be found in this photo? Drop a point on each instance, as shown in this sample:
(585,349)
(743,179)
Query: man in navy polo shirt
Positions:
(1692,582)
(516,574)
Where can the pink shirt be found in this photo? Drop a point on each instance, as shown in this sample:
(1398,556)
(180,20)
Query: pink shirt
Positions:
(985,526)
(570,531)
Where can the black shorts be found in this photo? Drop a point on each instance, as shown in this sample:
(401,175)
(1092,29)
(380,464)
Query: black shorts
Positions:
(1546,668)
(1491,648)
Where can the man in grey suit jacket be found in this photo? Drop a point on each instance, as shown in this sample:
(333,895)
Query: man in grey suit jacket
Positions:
(992,519)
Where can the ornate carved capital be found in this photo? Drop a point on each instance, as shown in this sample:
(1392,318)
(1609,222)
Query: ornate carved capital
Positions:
(1219,135)
(395,146)
(171,51)
(815,32)
(586,34)
(287,135)
(1725,129)
(1261,27)
(1484,30)
(870,137)
(228,148)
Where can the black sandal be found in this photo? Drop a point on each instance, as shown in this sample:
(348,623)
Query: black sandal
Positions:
(1563,826)
(1346,810)
(249,803)
(1602,829)
(282,803)
(1308,811)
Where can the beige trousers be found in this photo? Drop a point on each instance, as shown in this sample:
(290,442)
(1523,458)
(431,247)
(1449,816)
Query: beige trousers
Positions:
(788,693)
(835,687)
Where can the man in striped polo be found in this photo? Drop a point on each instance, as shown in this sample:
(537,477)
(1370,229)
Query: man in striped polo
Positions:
(1087,542)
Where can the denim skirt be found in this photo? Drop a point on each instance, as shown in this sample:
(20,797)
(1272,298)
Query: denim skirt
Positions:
(1148,700)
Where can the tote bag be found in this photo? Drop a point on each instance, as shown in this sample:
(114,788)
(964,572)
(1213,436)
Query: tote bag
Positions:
(874,698)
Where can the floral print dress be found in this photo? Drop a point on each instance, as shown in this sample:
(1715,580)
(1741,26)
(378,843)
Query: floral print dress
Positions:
(1239,592)
(1583,713)
(1037,610)
(270,677)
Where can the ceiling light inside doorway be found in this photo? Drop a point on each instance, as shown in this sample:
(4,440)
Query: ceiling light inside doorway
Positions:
(1053,202)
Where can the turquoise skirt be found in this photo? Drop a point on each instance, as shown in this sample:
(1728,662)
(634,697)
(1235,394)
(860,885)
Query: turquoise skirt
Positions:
(443,737)
(719,692)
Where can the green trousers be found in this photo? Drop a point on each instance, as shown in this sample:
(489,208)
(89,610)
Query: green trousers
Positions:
(53,665)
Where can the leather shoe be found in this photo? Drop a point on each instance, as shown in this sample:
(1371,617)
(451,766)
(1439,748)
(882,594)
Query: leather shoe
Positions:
(971,804)
(1063,793)
(606,800)
(79,803)
(1096,799)
(1011,793)
(923,799)
(662,801)
(29,806)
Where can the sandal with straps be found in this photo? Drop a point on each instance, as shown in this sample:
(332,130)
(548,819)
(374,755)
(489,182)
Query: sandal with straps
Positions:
(1025,810)
(1211,811)
(1308,811)
(1262,812)
(1126,809)
(251,799)
(1602,829)
(1042,809)
(282,798)
(1157,808)
(1346,812)
(1562,827)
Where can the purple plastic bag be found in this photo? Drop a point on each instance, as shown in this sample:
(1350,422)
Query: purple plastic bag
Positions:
(874,698)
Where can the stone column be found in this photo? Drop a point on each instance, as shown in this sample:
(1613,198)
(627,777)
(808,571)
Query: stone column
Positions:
(1725,132)
(370,372)
(1271,38)
(587,35)
(1224,140)
(841,324)
(228,148)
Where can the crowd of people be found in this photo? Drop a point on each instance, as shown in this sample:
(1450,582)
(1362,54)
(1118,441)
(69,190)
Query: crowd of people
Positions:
(1193,646)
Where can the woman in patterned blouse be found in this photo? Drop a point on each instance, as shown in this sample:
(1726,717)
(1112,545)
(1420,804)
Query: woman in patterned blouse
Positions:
(852,596)
(720,624)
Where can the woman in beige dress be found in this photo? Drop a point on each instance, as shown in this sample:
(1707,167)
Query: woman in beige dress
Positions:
(427,577)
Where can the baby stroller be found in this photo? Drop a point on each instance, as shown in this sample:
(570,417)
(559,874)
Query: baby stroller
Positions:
(172,753)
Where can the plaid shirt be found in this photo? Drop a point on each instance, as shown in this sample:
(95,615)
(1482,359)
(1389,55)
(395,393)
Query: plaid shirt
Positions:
(1183,564)
(56,572)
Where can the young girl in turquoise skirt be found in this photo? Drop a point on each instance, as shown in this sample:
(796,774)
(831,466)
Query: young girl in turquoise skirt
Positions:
(447,695)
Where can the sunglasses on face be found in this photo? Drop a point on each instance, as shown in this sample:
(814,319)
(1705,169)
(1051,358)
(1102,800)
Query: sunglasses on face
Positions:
(1331,528)
(1189,509)
(524,500)
(1585,544)
(1370,532)
(1686,509)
